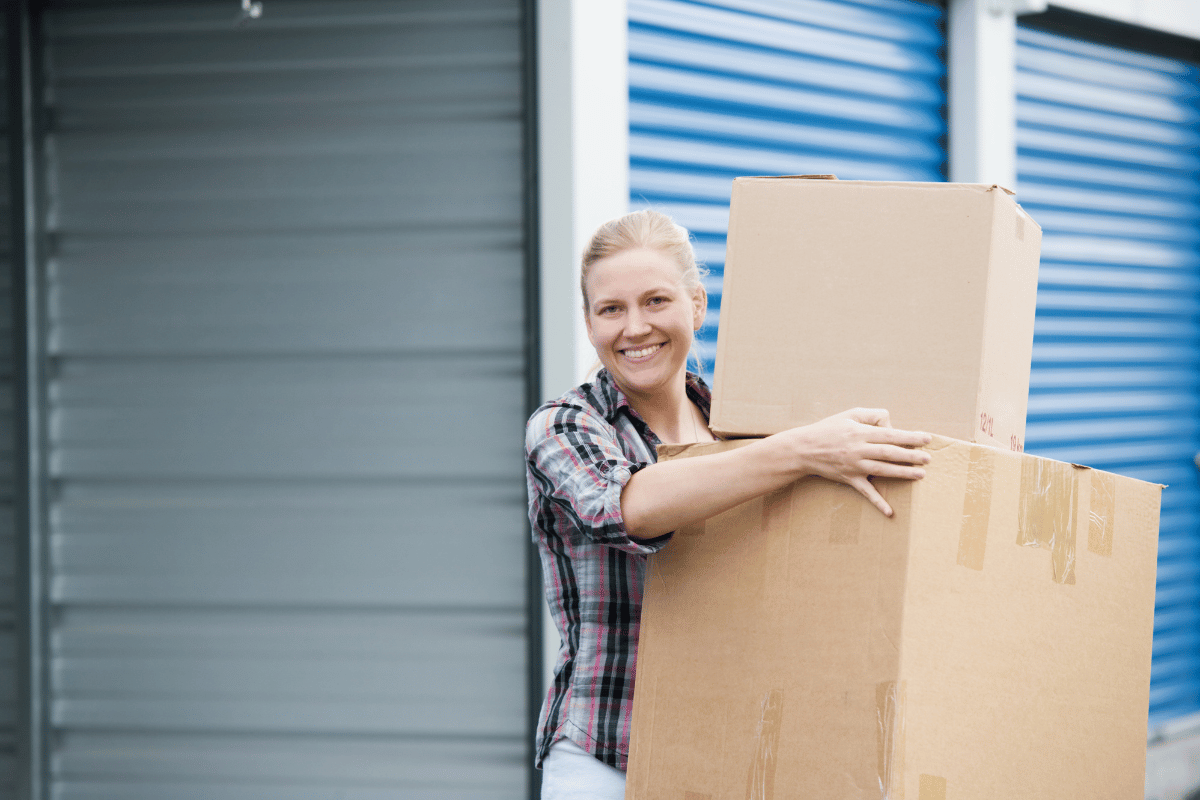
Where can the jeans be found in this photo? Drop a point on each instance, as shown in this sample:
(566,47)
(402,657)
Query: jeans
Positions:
(571,773)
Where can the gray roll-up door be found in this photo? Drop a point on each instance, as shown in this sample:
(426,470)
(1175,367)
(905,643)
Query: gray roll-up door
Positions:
(287,386)
(1107,163)
(8,549)
(722,88)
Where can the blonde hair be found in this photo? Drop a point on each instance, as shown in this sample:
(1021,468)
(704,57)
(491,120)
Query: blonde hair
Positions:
(652,230)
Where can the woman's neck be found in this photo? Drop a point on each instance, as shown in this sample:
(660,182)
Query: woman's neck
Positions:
(673,417)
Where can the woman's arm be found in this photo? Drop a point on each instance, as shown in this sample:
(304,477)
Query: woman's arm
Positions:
(846,448)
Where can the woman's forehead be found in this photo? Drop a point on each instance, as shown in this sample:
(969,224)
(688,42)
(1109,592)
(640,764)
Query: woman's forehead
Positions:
(635,270)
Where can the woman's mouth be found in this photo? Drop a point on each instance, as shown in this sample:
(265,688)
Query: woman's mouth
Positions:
(641,352)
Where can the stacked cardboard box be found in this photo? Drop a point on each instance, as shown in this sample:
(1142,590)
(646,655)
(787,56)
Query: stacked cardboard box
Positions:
(914,297)
(993,638)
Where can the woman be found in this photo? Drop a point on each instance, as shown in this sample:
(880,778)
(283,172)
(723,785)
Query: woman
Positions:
(599,504)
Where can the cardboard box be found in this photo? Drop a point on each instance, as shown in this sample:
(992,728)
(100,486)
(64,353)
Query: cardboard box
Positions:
(914,297)
(991,640)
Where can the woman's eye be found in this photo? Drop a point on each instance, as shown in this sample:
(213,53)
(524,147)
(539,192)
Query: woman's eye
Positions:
(657,301)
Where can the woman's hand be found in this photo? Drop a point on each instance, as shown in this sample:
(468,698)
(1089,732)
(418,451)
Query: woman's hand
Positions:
(856,445)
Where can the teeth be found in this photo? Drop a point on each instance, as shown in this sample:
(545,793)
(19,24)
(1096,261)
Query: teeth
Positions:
(645,351)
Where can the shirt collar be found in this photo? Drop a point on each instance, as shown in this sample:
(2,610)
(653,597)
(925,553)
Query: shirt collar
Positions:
(612,399)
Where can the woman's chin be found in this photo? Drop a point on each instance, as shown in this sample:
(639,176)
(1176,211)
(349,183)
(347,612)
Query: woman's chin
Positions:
(648,379)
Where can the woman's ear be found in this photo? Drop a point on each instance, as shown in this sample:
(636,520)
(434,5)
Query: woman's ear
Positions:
(700,306)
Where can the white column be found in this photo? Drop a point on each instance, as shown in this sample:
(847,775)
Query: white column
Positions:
(583,167)
(583,114)
(982,100)
(556,189)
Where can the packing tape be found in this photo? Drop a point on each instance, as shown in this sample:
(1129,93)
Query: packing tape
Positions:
(977,507)
(889,716)
(766,748)
(1101,513)
(696,796)
(1047,512)
(845,519)
(931,787)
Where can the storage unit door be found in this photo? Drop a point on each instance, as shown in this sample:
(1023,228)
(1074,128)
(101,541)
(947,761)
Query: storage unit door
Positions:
(724,88)
(287,382)
(1107,164)
(8,543)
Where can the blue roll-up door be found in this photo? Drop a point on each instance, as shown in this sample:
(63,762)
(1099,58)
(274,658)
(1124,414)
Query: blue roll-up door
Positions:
(724,88)
(1107,163)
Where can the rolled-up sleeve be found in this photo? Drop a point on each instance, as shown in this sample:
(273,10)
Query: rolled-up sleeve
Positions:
(576,463)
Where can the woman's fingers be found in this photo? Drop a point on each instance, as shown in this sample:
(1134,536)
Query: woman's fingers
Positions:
(896,455)
(899,438)
(870,416)
(868,491)
(850,447)
(855,445)
(883,469)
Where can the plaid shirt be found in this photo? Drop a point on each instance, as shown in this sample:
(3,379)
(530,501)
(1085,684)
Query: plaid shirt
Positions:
(580,452)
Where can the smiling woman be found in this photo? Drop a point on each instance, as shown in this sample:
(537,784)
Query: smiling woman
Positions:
(640,318)
(599,503)
(642,305)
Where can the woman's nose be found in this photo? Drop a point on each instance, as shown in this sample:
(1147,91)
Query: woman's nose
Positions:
(636,324)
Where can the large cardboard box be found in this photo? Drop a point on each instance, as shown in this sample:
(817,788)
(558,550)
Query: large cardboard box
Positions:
(991,641)
(914,297)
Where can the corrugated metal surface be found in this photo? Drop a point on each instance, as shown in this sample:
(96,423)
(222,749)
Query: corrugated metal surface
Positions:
(8,554)
(1108,160)
(724,88)
(287,390)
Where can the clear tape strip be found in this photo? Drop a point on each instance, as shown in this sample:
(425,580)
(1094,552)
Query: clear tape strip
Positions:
(766,748)
(977,508)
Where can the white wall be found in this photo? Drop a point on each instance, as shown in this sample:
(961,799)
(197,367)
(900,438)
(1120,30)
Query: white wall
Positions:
(1180,17)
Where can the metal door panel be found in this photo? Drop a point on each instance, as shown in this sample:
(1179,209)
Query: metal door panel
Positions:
(287,382)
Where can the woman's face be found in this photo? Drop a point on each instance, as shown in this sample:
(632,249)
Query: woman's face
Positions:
(641,319)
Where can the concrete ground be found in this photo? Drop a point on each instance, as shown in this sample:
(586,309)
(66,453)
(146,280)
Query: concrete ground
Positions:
(1173,761)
